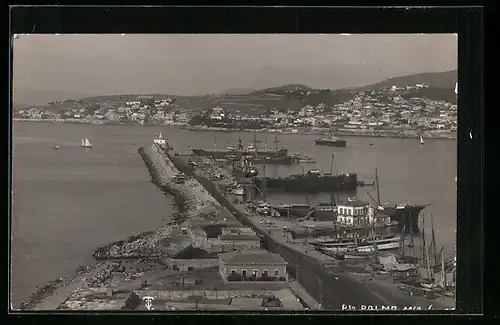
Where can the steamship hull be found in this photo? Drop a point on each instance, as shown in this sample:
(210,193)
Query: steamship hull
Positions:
(239,154)
(331,143)
(307,184)
(407,217)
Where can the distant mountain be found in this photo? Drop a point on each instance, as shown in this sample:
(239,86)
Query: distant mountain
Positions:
(236,91)
(445,80)
(282,89)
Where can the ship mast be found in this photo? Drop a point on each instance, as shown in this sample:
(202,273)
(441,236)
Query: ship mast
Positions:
(443,271)
(332,163)
(215,143)
(276,142)
(378,188)
(412,242)
(403,242)
(264,181)
(433,240)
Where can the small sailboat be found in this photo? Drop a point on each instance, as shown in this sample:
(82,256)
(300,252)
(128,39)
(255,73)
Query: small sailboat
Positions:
(421,141)
(86,143)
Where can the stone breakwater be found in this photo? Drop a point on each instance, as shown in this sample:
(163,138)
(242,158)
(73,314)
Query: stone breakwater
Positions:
(160,179)
(144,245)
(86,276)
(148,244)
(46,291)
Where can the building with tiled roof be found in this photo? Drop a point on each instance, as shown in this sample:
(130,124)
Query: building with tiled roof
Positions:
(240,241)
(252,265)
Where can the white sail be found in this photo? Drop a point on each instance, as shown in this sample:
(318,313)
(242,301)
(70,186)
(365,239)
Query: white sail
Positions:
(456,88)
(83,142)
(87,143)
(421,140)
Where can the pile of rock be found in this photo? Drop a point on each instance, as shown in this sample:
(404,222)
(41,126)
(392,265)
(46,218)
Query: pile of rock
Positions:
(146,245)
(44,292)
(97,276)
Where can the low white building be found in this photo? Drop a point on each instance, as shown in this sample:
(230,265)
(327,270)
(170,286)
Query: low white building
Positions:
(352,212)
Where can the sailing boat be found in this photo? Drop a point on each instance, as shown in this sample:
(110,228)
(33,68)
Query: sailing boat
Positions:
(86,143)
(428,282)
(421,141)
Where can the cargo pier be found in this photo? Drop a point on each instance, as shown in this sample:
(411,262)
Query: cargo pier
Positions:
(327,281)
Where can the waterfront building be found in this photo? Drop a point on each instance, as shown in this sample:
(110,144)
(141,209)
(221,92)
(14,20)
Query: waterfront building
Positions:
(256,264)
(353,212)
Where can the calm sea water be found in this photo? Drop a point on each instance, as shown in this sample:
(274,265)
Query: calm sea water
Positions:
(68,201)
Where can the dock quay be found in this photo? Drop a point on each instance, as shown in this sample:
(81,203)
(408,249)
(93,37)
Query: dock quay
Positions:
(332,284)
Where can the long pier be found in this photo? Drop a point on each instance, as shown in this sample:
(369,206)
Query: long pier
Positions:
(332,287)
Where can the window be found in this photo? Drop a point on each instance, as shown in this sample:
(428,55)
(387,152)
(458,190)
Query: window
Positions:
(233,272)
(254,272)
(276,272)
(265,273)
(244,272)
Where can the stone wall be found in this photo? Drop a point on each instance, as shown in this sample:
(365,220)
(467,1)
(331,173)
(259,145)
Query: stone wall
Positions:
(207,294)
(183,264)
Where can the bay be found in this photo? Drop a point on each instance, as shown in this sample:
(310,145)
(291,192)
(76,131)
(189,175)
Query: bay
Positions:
(66,202)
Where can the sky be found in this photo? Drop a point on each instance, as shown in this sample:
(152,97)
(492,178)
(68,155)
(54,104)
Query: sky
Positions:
(55,67)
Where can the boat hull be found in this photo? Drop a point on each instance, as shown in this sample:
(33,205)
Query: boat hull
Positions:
(308,184)
(283,160)
(380,247)
(406,217)
(326,243)
(292,211)
(331,143)
(223,153)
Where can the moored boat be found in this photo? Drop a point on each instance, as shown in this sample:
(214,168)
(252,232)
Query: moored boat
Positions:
(331,142)
(360,245)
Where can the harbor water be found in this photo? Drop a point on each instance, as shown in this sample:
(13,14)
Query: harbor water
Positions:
(68,201)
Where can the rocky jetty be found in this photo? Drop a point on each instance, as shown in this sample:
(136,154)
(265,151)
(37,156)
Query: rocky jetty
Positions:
(145,245)
(97,275)
(158,180)
(46,291)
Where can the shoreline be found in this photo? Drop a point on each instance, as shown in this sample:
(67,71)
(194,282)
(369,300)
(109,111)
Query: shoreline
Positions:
(184,126)
(108,258)
(144,246)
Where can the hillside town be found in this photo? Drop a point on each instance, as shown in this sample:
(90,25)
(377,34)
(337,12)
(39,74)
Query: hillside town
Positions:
(384,112)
